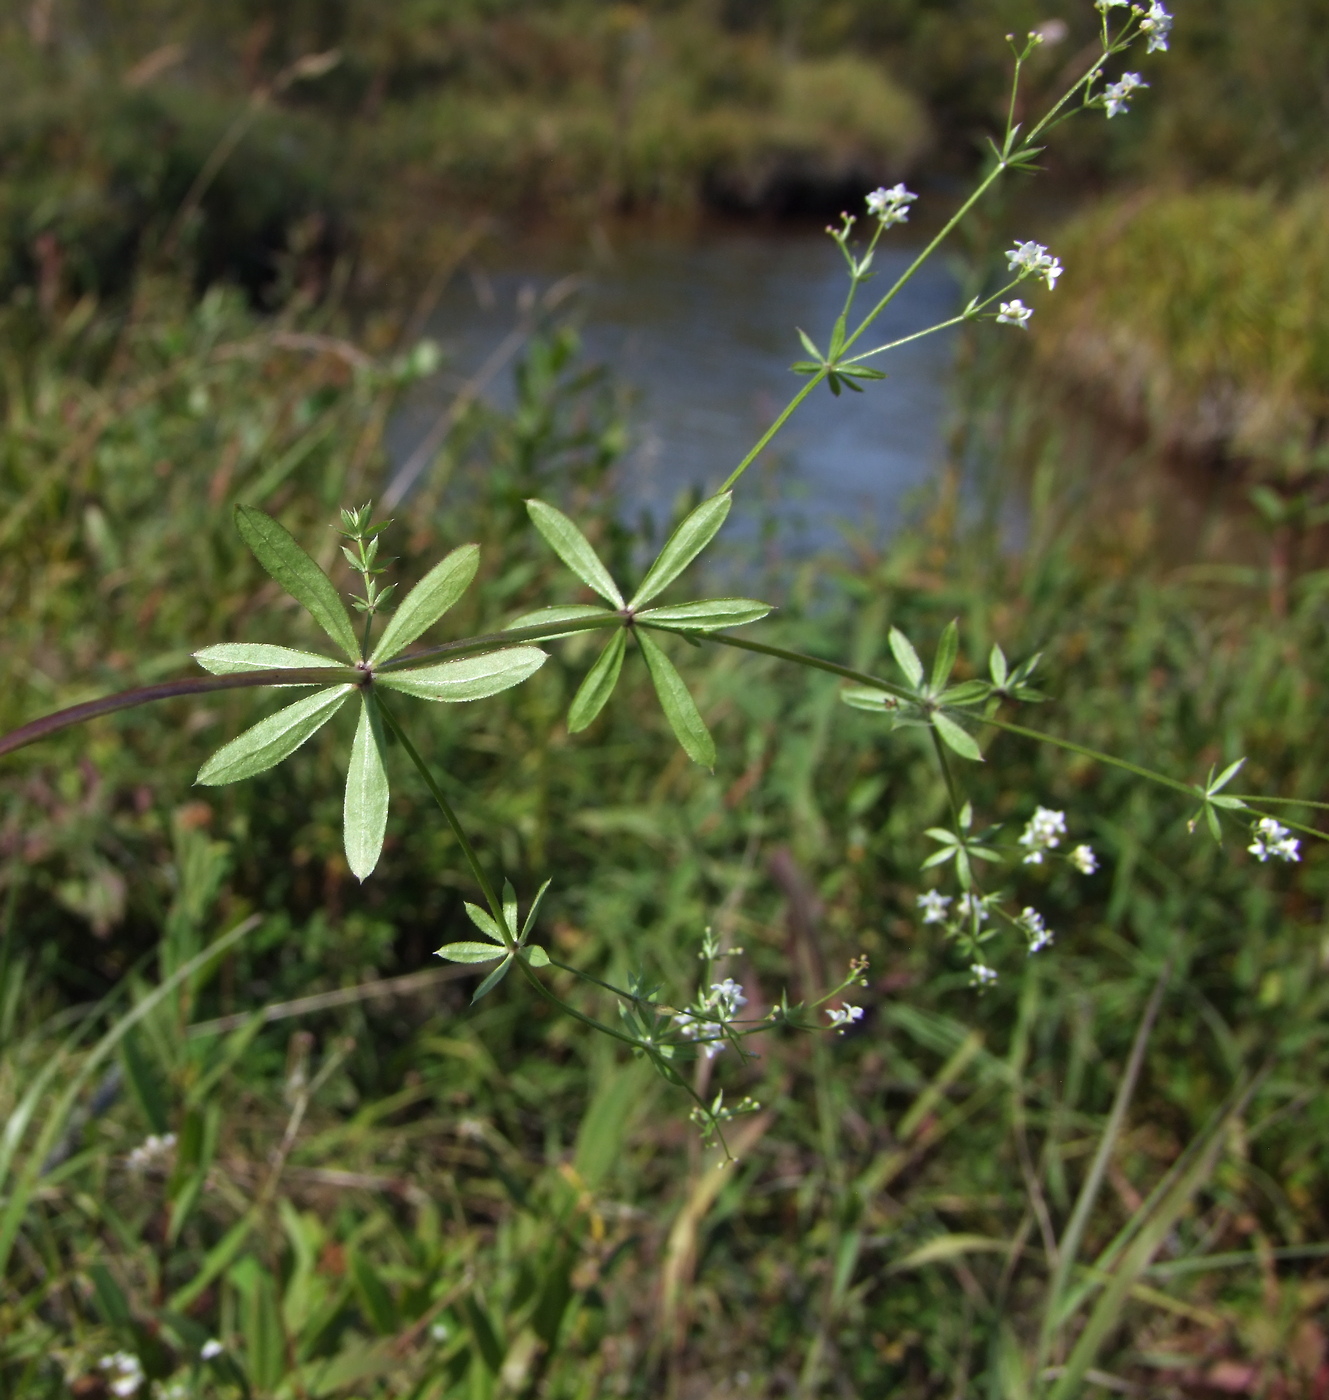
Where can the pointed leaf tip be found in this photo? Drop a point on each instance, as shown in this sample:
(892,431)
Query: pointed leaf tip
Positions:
(679,706)
(365,808)
(574,549)
(696,531)
(428,601)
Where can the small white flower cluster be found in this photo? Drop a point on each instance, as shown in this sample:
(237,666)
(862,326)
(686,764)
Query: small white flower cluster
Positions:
(980,975)
(1015,313)
(1040,936)
(891,206)
(844,1016)
(124,1373)
(1117,96)
(153,1151)
(1156,25)
(1034,260)
(1084,859)
(719,1005)
(1042,832)
(934,906)
(178,1389)
(1273,840)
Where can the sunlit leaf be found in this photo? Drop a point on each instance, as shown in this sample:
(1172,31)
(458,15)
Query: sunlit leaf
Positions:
(706,615)
(232,658)
(549,617)
(469,952)
(484,921)
(696,531)
(272,739)
(428,601)
(365,809)
(948,648)
(471,678)
(906,657)
(599,683)
(534,910)
(574,549)
(536,957)
(275,548)
(679,707)
(956,738)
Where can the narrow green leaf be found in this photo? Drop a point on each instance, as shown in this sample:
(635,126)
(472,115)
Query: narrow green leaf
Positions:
(697,530)
(365,808)
(809,346)
(1226,776)
(1230,804)
(837,336)
(484,921)
(855,372)
(959,740)
(536,957)
(549,617)
(275,548)
(468,952)
(863,698)
(944,661)
(997,665)
(599,683)
(272,739)
(574,549)
(707,614)
(940,857)
(510,907)
(471,678)
(492,981)
(966,693)
(231,658)
(428,601)
(534,909)
(1211,819)
(906,657)
(679,707)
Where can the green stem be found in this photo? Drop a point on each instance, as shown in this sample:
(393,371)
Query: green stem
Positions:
(495,906)
(770,432)
(950,779)
(812,662)
(1071,747)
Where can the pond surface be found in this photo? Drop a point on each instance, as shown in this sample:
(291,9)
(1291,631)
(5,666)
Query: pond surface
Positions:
(703,330)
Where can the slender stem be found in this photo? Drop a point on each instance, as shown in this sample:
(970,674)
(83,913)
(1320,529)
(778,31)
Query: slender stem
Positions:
(813,662)
(1174,783)
(495,906)
(949,777)
(169,690)
(906,339)
(785,416)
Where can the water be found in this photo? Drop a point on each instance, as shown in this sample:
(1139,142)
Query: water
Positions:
(704,331)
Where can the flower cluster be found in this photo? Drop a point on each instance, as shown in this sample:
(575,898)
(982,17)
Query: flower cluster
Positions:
(844,1016)
(891,206)
(1015,313)
(1084,859)
(1034,260)
(212,1349)
(1117,96)
(934,906)
(719,1005)
(124,1373)
(1038,933)
(1042,832)
(980,975)
(153,1151)
(1273,840)
(1155,25)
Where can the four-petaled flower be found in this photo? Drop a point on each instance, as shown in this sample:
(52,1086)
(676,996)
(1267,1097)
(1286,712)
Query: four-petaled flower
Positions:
(1273,840)
(1116,96)
(844,1016)
(891,206)
(934,906)
(1015,313)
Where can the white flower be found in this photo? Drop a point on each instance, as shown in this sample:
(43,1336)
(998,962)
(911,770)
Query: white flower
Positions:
(1117,95)
(720,1004)
(981,976)
(1042,832)
(153,1151)
(891,206)
(438,1331)
(1272,839)
(1103,6)
(934,906)
(1033,260)
(1038,932)
(1157,25)
(1084,859)
(126,1372)
(1015,313)
(842,1016)
(212,1349)
(1051,31)
(726,997)
(972,907)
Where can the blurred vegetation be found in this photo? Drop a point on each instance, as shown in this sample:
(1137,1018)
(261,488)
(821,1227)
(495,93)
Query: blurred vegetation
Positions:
(375,1191)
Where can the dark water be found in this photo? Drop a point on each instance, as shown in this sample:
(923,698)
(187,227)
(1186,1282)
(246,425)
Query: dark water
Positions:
(704,332)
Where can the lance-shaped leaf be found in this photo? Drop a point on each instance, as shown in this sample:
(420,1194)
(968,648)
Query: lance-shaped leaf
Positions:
(707,614)
(956,738)
(535,956)
(231,658)
(470,952)
(275,548)
(484,921)
(906,657)
(599,684)
(534,910)
(365,809)
(492,981)
(471,678)
(697,530)
(272,739)
(948,648)
(550,617)
(679,707)
(574,549)
(428,601)
(862,697)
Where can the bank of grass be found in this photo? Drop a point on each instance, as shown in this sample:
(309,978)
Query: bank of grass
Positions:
(394,1195)
(1200,316)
